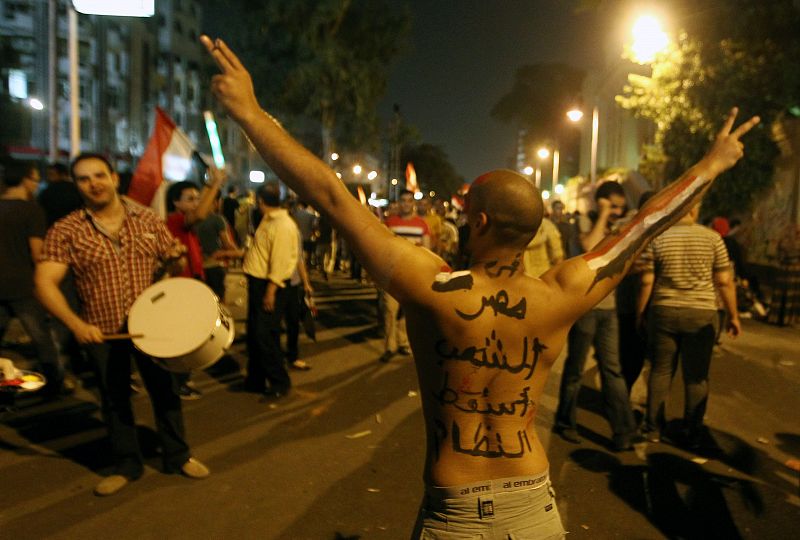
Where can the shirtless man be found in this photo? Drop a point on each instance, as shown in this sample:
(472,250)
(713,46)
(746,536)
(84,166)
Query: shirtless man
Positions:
(484,340)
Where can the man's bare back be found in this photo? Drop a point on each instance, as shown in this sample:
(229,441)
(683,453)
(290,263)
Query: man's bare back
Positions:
(483,348)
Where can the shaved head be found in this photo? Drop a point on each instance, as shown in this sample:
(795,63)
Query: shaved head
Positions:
(511,202)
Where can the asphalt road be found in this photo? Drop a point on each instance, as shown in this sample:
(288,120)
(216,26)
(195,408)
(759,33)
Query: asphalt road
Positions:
(341,457)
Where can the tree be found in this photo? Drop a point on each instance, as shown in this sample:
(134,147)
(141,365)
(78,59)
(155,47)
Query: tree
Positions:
(730,52)
(541,95)
(323,60)
(434,170)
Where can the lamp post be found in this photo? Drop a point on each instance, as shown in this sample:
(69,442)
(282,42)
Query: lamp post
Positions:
(648,40)
(124,8)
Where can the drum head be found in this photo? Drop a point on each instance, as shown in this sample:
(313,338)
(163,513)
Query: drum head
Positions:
(175,316)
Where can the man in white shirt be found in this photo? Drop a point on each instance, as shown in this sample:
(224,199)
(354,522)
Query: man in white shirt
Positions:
(268,265)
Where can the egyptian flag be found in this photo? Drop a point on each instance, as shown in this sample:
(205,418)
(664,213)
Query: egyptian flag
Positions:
(411,178)
(168,156)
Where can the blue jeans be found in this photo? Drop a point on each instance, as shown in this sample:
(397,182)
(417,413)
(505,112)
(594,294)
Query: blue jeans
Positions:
(112,364)
(598,328)
(34,320)
(690,334)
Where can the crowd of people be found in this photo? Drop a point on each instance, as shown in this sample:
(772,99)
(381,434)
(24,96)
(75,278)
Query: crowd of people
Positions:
(483,297)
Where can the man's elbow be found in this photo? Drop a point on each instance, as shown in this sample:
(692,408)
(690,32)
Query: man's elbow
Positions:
(723,280)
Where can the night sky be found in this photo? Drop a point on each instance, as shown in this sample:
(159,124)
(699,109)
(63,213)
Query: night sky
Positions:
(461,59)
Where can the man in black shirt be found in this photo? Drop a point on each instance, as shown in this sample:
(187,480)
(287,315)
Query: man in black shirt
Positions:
(22,229)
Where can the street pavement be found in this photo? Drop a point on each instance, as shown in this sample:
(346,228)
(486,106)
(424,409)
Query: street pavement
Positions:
(341,457)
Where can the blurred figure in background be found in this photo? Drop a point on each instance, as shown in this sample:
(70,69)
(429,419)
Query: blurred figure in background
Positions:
(544,251)
(22,231)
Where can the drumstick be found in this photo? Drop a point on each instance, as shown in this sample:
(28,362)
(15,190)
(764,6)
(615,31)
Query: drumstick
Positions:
(108,337)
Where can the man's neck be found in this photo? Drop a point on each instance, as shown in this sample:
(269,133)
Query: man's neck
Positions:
(112,210)
(17,193)
(492,260)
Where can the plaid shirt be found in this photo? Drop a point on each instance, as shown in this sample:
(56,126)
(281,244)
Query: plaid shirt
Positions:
(109,274)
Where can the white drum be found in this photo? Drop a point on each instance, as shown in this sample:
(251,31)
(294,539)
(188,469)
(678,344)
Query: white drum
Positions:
(181,324)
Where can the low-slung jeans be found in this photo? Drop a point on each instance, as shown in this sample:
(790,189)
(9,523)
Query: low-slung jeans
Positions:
(687,333)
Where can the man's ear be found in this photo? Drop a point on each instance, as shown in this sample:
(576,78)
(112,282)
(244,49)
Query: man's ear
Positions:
(482,223)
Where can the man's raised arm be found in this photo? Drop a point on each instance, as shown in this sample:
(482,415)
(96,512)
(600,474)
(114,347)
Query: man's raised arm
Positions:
(590,277)
(383,254)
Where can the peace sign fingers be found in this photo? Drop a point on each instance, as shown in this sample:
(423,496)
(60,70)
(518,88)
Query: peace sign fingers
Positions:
(229,54)
(233,86)
(728,125)
(744,128)
(216,54)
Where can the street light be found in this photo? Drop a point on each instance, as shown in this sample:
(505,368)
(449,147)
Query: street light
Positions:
(575,117)
(356,169)
(543,153)
(36,104)
(649,39)
(334,156)
(372,175)
(528,170)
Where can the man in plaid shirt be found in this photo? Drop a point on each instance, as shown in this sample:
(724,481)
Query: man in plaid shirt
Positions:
(114,248)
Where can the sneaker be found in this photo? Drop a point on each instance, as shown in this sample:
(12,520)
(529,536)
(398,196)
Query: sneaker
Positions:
(187,393)
(568,434)
(194,469)
(385,357)
(110,485)
(405,351)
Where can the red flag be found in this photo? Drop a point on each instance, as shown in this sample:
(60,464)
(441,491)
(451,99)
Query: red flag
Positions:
(411,178)
(168,156)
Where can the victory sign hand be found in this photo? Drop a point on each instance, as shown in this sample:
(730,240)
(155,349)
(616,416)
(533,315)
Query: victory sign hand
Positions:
(233,87)
(727,148)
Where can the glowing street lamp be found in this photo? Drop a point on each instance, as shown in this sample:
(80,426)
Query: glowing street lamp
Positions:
(575,115)
(543,153)
(394,181)
(372,175)
(357,169)
(334,156)
(528,170)
(649,39)
(36,104)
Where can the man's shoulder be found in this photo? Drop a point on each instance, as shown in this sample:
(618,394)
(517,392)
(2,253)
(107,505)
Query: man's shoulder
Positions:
(71,222)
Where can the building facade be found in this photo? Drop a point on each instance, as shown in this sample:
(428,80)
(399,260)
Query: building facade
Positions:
(127,67)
